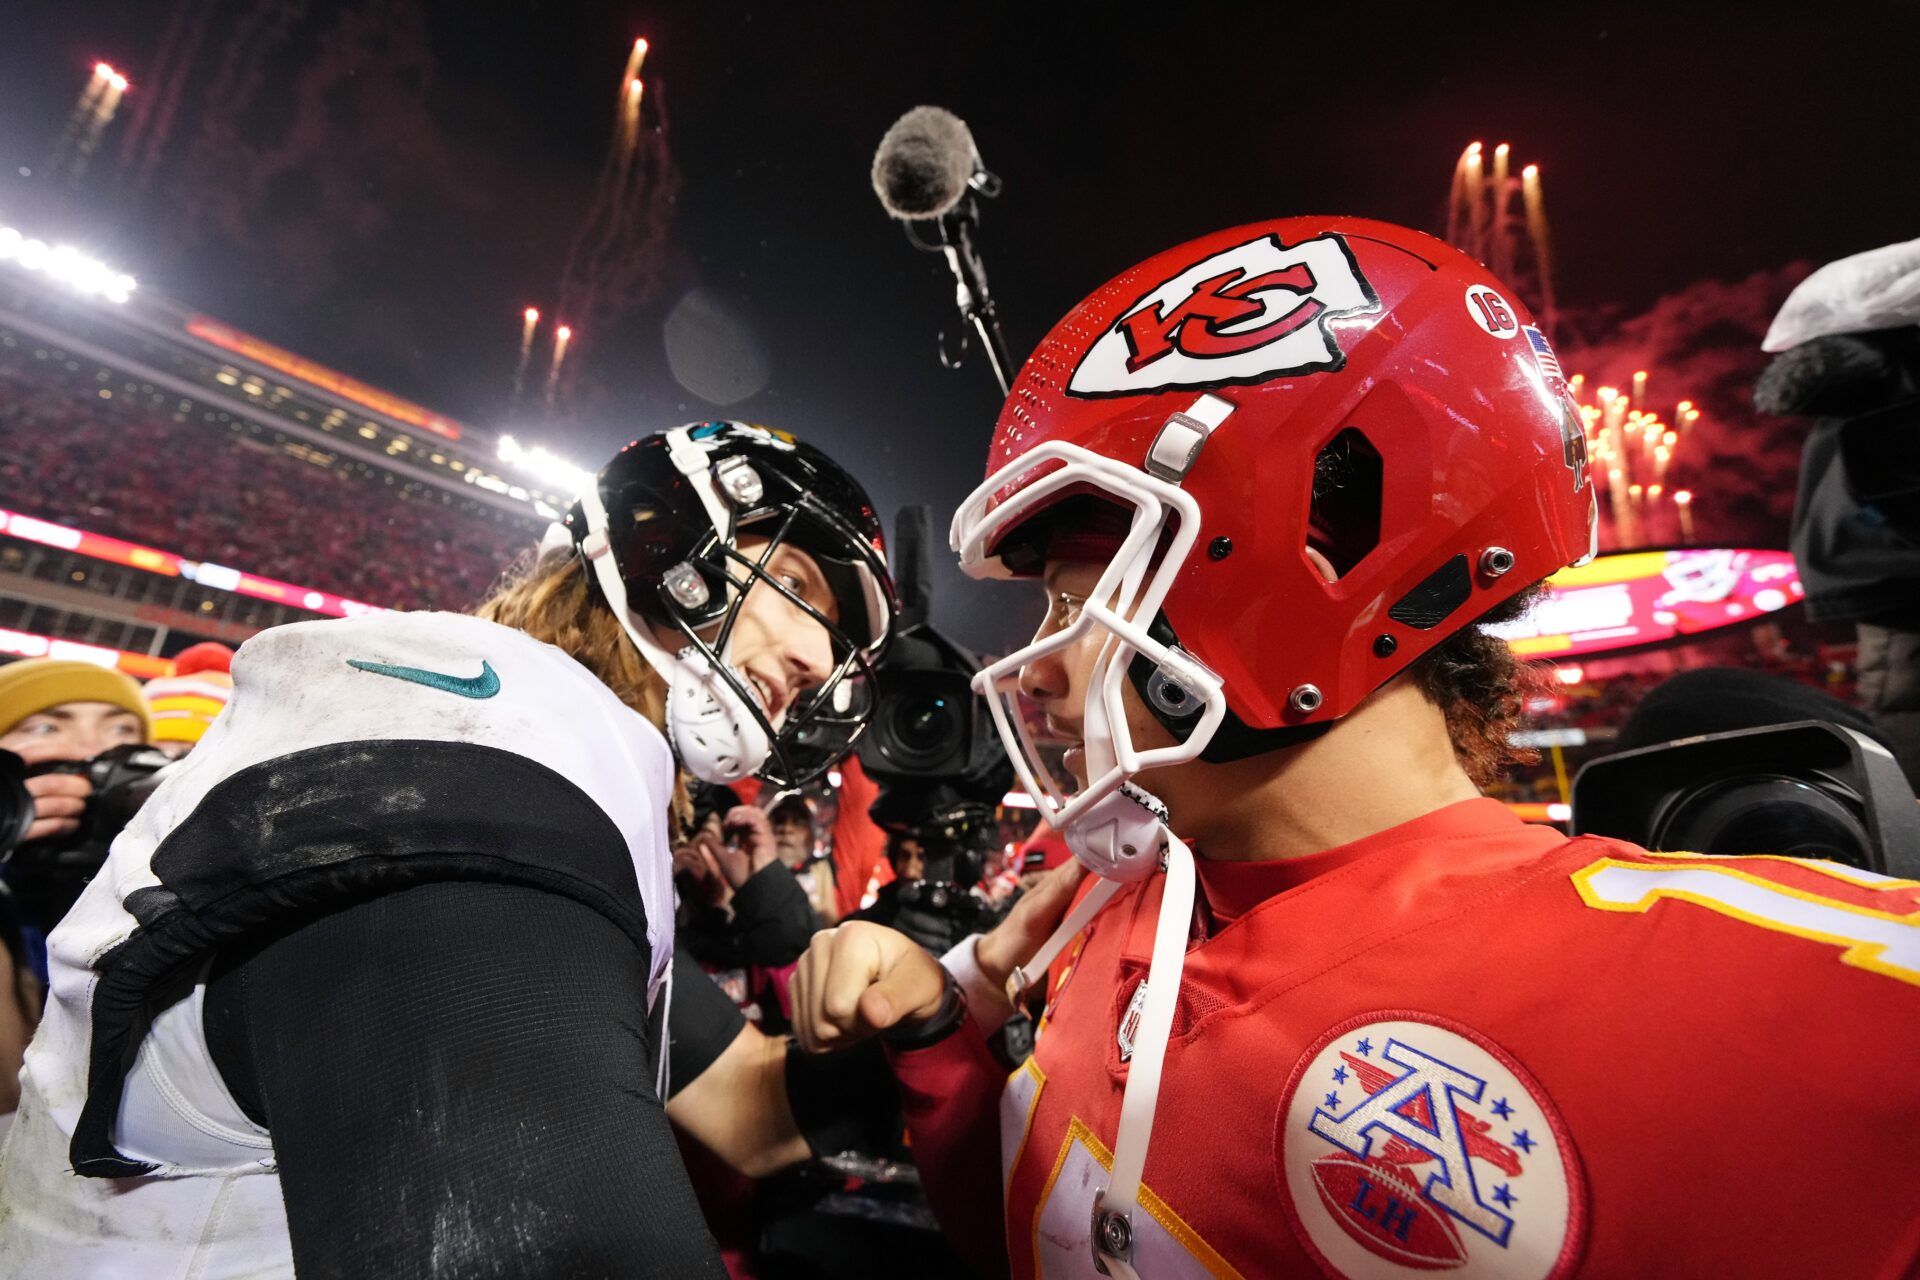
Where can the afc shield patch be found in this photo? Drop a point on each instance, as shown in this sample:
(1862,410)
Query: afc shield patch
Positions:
(1408,1144)
(1245,314)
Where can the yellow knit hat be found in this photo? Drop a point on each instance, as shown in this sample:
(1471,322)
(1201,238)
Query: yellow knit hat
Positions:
(34,685)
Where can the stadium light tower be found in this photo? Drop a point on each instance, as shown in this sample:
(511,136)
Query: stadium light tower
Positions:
(66,264)
(547,467)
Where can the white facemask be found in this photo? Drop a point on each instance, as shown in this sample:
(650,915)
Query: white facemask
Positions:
(1118,831)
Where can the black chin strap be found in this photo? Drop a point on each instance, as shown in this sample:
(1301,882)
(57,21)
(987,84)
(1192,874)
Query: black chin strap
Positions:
(1179,712)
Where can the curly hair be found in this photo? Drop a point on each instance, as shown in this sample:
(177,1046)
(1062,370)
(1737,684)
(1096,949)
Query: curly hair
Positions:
(1482,688)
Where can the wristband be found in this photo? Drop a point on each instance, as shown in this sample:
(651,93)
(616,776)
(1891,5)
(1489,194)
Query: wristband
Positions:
(985,998)
(944,1022)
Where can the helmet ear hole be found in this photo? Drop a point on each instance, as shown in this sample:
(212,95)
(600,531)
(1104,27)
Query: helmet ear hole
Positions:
(1349,484)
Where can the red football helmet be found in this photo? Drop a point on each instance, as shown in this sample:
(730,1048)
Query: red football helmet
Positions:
(1329,383)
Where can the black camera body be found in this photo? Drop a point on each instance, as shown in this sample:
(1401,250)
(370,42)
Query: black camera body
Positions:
(1809,789)
(928,724)
(47,875)
(932,749)
(942,771)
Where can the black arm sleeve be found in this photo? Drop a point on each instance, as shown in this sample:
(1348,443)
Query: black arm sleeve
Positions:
(700,1025)
(772,917)
(458,1084)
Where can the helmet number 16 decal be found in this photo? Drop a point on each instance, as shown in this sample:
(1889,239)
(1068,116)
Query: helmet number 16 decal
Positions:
(1491,312)
(1246,314)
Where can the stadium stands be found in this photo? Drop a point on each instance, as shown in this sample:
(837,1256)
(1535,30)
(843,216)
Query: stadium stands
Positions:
(83,445)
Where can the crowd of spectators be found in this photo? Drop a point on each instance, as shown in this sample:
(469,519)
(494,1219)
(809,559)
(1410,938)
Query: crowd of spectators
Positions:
(754,887)
(80,452)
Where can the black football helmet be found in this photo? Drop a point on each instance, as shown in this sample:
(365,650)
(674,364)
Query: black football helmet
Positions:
(661,530)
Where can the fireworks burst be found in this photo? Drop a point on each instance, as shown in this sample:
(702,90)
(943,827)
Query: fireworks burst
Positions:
(529,321)
(1633,450)
(614,259)
(561,337)
(89,119)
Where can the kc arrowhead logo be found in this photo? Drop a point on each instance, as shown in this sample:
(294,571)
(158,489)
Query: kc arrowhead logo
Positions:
(1246,314)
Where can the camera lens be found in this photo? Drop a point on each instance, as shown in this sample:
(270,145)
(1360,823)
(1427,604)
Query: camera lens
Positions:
(926,725)
(921,729)
(16,806)
(1780,815)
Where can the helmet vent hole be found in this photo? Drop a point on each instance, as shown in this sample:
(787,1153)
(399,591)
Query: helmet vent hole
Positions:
(1343,524)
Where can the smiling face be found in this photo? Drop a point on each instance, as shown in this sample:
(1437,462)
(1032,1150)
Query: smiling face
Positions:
(779,650)
(72,731)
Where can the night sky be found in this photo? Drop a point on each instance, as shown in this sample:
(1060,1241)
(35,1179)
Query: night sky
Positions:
(382,186)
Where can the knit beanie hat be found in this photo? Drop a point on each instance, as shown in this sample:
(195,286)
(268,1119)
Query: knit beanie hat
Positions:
(34,685)
(186,702)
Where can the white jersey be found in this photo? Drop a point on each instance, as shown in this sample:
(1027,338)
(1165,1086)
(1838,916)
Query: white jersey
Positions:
(381,697)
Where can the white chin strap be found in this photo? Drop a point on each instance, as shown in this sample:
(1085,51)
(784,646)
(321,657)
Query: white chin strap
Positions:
(1118,831)
(1113,1209)
(715,735)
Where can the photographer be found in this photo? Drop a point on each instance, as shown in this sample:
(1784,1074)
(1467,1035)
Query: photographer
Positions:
(791,819)
(59,712)
(744,906)
(50,711)
(745,916)
(937,844)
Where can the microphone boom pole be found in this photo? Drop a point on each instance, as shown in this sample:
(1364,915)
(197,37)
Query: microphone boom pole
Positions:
(928,170)
(957,229)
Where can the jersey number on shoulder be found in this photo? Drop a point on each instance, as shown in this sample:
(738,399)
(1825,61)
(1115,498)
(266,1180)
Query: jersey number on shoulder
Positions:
(1884,942)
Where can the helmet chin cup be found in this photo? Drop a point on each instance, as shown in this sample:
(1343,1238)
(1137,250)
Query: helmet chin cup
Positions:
(716,737)
(1122,836)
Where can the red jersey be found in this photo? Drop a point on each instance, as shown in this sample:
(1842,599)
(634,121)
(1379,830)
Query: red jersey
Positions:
(859,845)
(1475,1046)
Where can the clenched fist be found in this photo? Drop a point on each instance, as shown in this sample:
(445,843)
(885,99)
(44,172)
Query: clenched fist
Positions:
(860,979)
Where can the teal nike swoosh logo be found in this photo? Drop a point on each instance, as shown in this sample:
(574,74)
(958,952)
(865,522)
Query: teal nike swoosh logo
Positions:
(484,685)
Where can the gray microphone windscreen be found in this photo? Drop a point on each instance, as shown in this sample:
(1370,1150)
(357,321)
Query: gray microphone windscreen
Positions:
(924,163)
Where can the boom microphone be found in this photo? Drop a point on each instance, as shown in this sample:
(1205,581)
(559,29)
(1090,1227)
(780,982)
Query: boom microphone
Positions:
(927,170)
(924,164)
